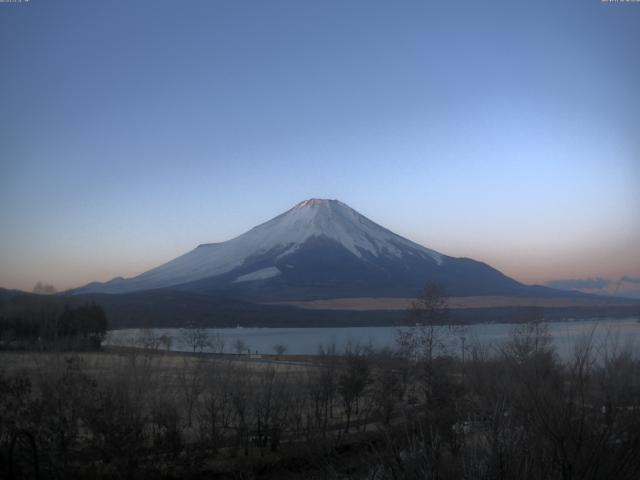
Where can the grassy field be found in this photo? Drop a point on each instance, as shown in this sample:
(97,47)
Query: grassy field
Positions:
(208,407)
(134,413)
(118,360)
(393,303)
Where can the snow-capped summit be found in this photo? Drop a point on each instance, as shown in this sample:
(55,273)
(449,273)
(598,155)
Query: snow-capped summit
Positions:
(331,219)
(318,248)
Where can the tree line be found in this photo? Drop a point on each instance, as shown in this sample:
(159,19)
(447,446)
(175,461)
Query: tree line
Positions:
(49,325)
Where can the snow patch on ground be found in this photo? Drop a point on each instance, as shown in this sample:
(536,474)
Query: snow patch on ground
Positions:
(258,275)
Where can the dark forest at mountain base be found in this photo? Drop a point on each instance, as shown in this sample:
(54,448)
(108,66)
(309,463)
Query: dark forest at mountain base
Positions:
(175,309)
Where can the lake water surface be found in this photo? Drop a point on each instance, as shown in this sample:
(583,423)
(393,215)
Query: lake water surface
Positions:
(611,333)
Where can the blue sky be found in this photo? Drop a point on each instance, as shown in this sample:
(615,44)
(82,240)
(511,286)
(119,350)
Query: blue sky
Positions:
(504,131)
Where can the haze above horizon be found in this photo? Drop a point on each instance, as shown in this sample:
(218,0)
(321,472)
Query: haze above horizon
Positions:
(134,131)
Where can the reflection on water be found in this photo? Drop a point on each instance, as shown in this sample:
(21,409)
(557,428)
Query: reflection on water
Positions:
(610,333)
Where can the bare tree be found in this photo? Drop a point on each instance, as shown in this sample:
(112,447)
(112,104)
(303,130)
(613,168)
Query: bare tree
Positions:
(239,346)
(321,389)
(216,410)
(196,338)
(387,384)
(280,349)
(429,311)
(269,406)
(241,393)
(353,380)
(529,340)
(148,339)
(217,343)
(191,380)
(166,341)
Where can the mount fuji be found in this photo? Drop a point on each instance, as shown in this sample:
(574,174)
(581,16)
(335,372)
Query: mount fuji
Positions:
(319,249)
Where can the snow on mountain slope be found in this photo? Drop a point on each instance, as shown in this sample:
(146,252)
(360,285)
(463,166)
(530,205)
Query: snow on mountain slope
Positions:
(261,274)
(277,238)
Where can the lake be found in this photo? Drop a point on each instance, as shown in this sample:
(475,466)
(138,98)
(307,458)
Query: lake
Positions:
(618,333)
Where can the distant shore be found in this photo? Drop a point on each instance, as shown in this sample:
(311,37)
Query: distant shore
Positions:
(400,303)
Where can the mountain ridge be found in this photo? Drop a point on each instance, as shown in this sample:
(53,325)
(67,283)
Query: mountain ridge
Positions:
(320,248)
